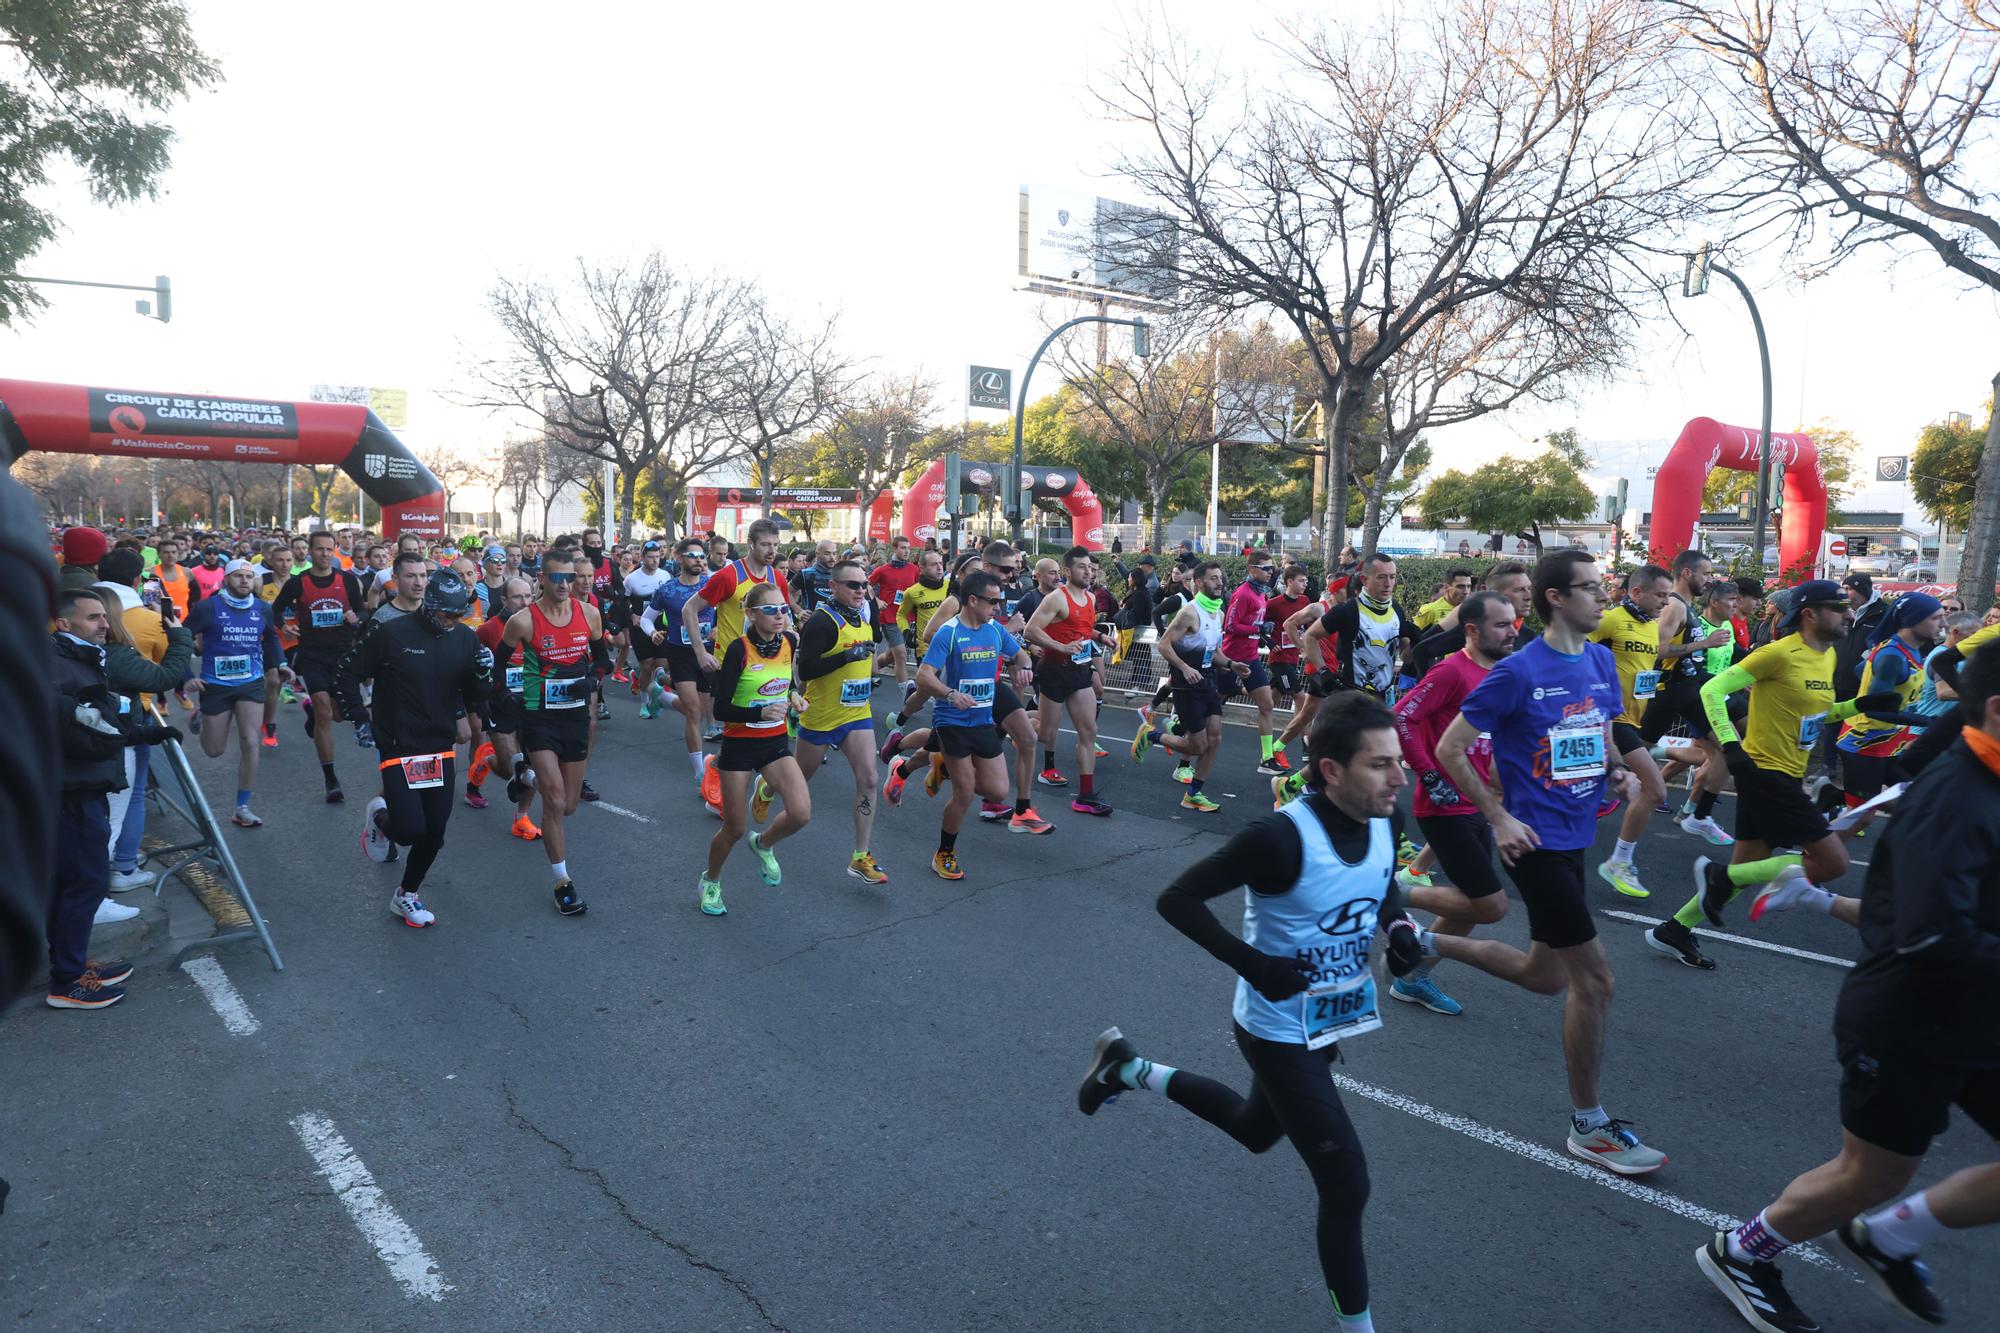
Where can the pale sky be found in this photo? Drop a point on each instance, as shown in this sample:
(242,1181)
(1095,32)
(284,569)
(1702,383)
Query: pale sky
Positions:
(339,205)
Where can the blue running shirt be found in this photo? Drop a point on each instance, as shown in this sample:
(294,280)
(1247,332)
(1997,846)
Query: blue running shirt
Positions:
(1546,712)
(969,661)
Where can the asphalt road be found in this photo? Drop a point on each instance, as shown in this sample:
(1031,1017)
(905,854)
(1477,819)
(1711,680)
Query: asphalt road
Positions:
(845,1107)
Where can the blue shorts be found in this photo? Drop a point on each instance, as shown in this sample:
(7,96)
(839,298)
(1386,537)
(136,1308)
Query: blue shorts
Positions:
(839,733)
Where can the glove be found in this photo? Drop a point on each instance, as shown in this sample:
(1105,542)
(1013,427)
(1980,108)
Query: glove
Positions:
(1882,701)
(1403,949)
(1439,791)
(1277,978)
(1736,761)
(1322,683)
(860,652)
(155,733)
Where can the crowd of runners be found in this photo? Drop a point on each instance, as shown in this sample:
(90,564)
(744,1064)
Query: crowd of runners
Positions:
(1522,704)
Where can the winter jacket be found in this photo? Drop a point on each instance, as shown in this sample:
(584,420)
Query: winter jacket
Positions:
(94,724)
(152,637)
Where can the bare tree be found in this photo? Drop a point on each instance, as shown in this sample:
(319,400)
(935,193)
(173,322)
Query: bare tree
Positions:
(560,469)
(1471,151)
(1843,127)
(877,436)
(454,470)
(517,474)
(622,365)
(786,380)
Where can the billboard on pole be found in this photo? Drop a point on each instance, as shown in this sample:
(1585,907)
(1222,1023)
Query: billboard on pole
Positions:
(1096,246)
(989,386)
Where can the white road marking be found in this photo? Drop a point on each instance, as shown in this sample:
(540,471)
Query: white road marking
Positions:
(1785,949)
(621,810)
(394,1243)
(1571,1166)
(222,995)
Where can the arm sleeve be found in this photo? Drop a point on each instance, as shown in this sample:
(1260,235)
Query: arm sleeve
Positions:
(726,676)
(475,685)
(1424,699)
(274,647)
(359,662)
(1271,846)
(1715,694)
(817,638)
(287,599)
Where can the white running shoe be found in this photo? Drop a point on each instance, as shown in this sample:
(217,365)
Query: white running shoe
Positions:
(1782,894)
(1707,830)
(1615,1147)
(124,881)
(411,908)
(374,842)
(109,913)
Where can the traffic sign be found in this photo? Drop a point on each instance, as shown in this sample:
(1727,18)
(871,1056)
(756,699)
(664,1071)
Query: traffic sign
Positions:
(1837,547)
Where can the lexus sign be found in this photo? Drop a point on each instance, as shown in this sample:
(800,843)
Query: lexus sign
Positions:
(989,386)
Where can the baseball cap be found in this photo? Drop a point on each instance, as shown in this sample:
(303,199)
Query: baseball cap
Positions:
(650,546)
(235,565)
(1813,592)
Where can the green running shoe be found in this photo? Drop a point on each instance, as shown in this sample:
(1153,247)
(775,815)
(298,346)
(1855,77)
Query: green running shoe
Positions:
(711,896)
(767,862)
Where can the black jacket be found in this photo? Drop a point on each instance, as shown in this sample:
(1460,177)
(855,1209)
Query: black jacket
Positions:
(1929,987)
(29,760)
(1853,648)
(93,749)
(423,681)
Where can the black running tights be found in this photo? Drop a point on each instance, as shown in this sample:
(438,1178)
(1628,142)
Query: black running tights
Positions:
(416,819)
(1292,1096)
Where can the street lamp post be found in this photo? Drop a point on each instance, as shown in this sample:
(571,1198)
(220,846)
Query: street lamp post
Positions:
(1693,283)
(162,290)
(1016,494)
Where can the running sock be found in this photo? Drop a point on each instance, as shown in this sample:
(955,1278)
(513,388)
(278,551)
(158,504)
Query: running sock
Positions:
(1752,873)
(1588,1118)
(1901,1229)
(1194,786)
(1756,1241)
(270,728)
(560,869)
(1624,852)
(1088,781)
(947,842)
(1145,1076)
(1705,807)
(326,771)
(471,787)
(699,760)
(1269,743)
(1021,805)
(1048,760)
(242,797)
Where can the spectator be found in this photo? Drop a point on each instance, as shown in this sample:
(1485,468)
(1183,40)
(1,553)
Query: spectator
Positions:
(1749,608)
(27,735)
(82,548)
(1117,546)
(1869,608)
(144,654)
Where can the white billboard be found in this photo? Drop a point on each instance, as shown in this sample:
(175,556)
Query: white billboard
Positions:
(1105,245)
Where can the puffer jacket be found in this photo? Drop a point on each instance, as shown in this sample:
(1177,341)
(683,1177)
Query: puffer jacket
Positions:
(93,756)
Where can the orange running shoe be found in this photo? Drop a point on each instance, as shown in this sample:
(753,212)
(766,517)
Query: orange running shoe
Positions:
(524,829)
(482,765)
(935,778)
(711,784)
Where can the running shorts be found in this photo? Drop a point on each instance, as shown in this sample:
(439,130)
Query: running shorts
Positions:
(969,742)
(1005,702)
(316,667)
(749,754)
(681,665)
(1464,848)
(892,635)
(1864,775)
(219,699)
(1228,684)
(1057,681)
(1551,885)
(838,734)
(504,713)
(1625,737)
(1288,678)
(1900,1105)
(1772,808)
(1194,705)
(563,732)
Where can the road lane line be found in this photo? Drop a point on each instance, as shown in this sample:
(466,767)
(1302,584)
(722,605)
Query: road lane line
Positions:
(393,1241)
(1785,949)
(222,995)
(621,810)
(1571,1166)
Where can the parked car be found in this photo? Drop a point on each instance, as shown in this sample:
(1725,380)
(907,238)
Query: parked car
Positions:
(1876,565)
(1924,573)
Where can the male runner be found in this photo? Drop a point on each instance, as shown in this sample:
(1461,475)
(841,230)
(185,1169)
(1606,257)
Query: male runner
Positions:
(1712,636)
(725,590)
(1454,830)
(562,640)
(1868,748)
(1191,645)
(1317,877)
(662,626)
(1370,633)
(813,584)
(1914,1033)
(1548,709)
(836,661)
(891,580)
(1288,680)
(1631,630)
(427,669)
(328,604)
(962,670)
(1456,588)
(504,705)
(640,585)
(1064,628)
(208,575)
(175,580)
(238,644)
(1243,622)
(921,601)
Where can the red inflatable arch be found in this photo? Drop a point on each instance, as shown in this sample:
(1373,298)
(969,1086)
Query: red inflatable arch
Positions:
(1705,445)
(923,500)
(73,419)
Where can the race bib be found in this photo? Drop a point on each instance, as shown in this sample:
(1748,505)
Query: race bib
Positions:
(423,770)
(1576,753)
(233,668)
(512,678)
(1810,729)
(327,617)
(854,693)
(1083,652)
(1344,1010)
(562,692)
(979,691)
(1645,684)
(1207,658)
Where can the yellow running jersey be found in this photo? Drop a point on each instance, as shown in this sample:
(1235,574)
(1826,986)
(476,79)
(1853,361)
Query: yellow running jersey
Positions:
(1635,646)
(1788,704)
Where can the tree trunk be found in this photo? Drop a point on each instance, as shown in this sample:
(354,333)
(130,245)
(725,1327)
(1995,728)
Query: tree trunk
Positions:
(1340,410)
(1161,484)
(1371,513)
(548,503)
(629,491)
(764,470)
(1982,533)
(520,507)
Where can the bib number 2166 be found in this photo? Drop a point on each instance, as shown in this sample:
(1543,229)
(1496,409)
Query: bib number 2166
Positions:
(1346,1009)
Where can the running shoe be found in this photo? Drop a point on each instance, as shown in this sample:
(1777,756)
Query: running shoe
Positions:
(475,798)
(1195,800)
(711,783)
(1707,830)
(1677,942)
(603,709)
(568,901)
(364,735)
(1757,1290)
(1782,894)
(711,896)
(1624,877)
(1143,740)
(1406,852)
(1050,777)
(1615,1147)
(1184,774)
(1903,1283)
(1278,793)
(760,802)
(110,972)
(713,732)
(993,811)
(622,676)
(245,817)
(375,842)
(1424,991)
(124,881)
(1270,769)
(945,865)
(1100,751)
(935,778)
(1713,885)
(1027,821)
(270,740)
(1279,762)
(863,868)
(1410,879)
(909,688)
(519,786)
(334,795)
(86,992)
(886,751)
(892,790)
(767,861)
(286,696)
(411,908)
(1092,804)
(524,829)
(589,793)
(1665,807)
(1101,1083)
(482,765)
(1609,808)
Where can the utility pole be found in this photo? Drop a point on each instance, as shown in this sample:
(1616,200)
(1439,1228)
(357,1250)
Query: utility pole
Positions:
(1693,283)
(1141,344)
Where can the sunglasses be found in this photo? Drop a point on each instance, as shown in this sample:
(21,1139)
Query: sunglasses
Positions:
(558,578)
(768,610)
(852,585)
